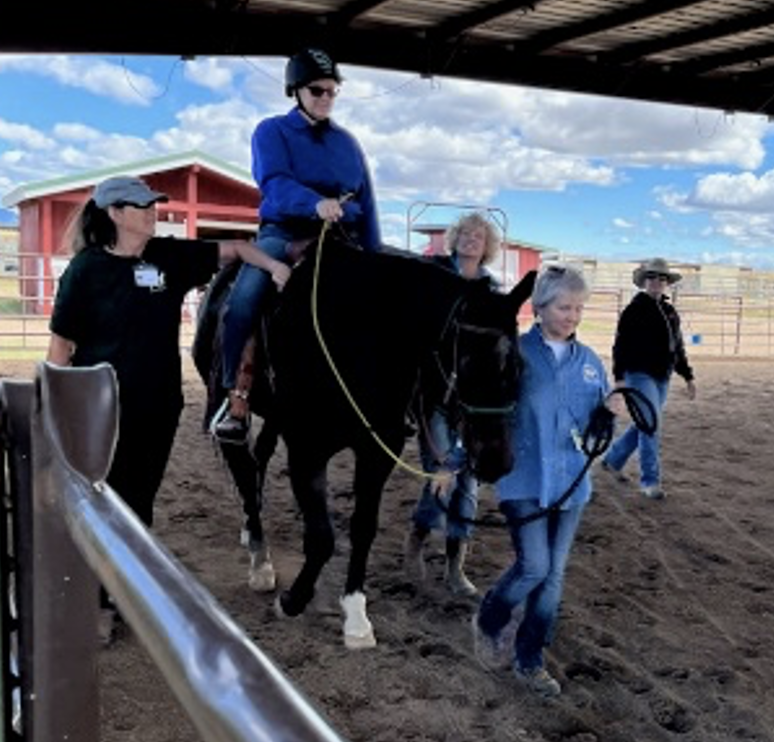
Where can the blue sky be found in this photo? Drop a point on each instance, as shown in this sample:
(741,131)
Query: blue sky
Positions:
(584,175)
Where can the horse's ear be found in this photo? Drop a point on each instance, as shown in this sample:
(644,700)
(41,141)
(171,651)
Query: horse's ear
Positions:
(523,289)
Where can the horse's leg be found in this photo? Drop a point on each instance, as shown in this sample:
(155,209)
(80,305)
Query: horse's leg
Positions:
(371,472)
(262,577)
(310,489)
(248,472)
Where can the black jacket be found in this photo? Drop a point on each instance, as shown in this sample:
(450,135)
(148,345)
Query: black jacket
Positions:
(649,340)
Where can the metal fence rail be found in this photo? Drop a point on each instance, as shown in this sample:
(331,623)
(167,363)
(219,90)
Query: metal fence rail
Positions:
(722,323)
(83,535)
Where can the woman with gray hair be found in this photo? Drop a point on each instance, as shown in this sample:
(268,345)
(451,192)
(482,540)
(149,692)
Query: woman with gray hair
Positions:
(472,243)
(562,383)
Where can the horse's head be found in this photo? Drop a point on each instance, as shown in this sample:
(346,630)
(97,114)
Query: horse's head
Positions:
(483,352)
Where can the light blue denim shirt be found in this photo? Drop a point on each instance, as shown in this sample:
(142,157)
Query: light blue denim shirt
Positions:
(555,402)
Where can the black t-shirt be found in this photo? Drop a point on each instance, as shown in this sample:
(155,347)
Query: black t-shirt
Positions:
(136,329)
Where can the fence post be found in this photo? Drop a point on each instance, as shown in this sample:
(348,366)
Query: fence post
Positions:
(65,704)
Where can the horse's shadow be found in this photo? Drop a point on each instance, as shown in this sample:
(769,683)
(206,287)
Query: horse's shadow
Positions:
(354,337)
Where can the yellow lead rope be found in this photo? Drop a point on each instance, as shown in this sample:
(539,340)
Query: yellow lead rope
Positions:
(324,347)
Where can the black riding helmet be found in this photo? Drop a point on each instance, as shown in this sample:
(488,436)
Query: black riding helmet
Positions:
(306,66)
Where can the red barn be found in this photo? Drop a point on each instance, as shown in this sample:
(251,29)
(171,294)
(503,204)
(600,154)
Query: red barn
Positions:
(208,198)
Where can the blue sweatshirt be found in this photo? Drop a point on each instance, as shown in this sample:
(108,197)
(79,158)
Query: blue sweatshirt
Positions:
(296,165)
(555,402)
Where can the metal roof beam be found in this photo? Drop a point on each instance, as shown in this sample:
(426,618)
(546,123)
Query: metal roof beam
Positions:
(623,16)
(459,24)
(710,62)
(726,27)
(351,10)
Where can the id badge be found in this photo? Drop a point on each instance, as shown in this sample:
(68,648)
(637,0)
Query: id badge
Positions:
(148,276)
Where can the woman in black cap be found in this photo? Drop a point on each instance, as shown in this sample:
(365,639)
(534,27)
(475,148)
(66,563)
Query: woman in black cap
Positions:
(309,170)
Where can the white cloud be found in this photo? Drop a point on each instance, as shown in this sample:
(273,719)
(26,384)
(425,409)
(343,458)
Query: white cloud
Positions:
(25,136)
(220,129)
(93,74)
(740,192)
(76,132)
(752,231)
(643,134)
(622,223)
(209,72)
(739,206)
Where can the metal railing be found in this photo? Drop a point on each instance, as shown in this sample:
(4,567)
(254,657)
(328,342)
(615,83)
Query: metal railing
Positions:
(732,320)
(84,535)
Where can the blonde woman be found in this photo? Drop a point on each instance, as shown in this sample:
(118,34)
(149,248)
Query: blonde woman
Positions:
(472,242)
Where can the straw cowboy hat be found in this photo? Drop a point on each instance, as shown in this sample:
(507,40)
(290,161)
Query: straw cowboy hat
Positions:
(654,265)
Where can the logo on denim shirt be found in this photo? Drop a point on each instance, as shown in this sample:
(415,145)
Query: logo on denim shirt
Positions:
(590,374)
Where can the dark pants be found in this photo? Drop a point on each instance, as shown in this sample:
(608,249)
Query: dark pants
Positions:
(145,441)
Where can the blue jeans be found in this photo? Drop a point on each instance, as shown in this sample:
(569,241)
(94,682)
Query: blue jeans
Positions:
(655,390)
(533,582)
(243,305)
(462,503)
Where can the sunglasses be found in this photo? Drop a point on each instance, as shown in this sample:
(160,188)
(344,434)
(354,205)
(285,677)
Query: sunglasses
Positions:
(656,276)
(123,204)
(318,92)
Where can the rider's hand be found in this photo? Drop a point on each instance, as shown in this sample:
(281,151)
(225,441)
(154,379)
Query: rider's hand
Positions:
(329,210)
(280,273)
(442,482)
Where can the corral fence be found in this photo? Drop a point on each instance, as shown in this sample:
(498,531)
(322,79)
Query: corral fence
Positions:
(734,320)
(64,533)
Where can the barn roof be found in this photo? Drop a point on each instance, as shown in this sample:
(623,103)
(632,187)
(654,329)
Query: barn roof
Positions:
(139,168)
(713,53)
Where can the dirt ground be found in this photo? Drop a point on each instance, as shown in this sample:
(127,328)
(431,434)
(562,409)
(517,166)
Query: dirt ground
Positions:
(666,626)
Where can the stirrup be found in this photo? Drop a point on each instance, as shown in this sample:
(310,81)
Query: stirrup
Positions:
(228,429)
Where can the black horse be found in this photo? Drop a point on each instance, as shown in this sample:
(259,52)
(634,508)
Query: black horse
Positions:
(351,339)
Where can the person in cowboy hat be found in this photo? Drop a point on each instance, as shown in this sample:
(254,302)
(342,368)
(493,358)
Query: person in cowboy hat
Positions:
(309,170)
(648,348)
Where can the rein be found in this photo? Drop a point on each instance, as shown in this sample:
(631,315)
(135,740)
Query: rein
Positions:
(340,380)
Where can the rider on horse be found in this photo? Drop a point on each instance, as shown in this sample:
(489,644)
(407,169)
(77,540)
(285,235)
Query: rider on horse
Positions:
(309,170)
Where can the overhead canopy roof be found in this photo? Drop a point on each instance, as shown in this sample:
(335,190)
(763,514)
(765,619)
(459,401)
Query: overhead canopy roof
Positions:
(713,53)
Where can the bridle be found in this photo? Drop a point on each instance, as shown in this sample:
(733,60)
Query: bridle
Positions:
(450,379)
(452,403)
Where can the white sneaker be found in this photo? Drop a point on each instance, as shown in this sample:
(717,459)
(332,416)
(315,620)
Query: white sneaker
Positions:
(539,681)
(654,492)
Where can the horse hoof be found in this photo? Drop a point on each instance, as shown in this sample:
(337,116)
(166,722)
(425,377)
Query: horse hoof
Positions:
(262,577)
(283,609)
(367,641)
(358,631)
